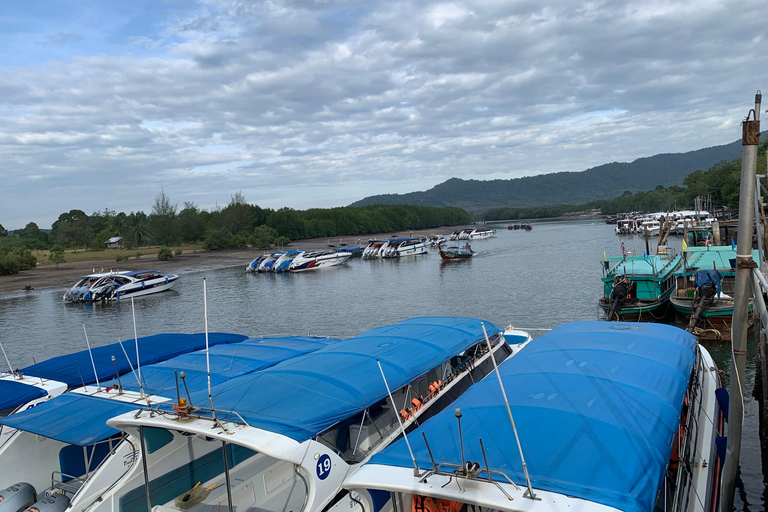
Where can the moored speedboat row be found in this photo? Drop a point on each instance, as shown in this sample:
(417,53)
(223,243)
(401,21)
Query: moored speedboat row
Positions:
(107,286)
(472,234)
(298,261)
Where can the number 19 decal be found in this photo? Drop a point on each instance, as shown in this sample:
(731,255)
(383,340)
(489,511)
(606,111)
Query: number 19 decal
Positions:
(323,467)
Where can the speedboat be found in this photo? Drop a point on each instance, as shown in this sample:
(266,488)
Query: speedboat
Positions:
(268,263)
(285,260)
(626,227)
(314,260)
(298,428)
(590,417)
(480,233)
(120,285)
(372,249)
(65,439)
(461,234)
(400,247)
(254,265)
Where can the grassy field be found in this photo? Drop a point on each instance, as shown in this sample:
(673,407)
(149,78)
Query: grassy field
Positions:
(116,255)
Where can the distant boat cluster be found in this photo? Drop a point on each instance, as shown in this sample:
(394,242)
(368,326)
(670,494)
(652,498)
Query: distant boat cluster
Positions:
(395,247)
(632,223)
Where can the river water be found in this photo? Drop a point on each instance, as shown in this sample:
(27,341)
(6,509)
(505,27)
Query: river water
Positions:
(533,280)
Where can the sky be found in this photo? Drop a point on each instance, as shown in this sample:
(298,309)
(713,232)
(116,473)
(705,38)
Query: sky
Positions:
(298,103)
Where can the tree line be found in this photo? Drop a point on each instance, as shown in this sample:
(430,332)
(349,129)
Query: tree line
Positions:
(235,226)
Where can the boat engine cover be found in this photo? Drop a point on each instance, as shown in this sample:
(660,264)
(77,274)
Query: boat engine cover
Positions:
(51,503)
(17,497)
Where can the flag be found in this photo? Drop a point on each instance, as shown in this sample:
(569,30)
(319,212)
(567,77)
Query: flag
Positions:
(685,245)
(706,241)
(645,255)
(604,256)
(733,244)
(623,249)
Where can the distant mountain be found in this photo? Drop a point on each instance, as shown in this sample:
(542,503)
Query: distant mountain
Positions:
(605,181)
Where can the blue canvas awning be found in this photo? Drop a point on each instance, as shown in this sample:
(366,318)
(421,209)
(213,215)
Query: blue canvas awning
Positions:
(306,395)
(597,406)
(13,394)
(226,362)
(71,368)
(71,418)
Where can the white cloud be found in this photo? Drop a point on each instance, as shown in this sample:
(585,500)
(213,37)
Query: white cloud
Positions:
(355,98)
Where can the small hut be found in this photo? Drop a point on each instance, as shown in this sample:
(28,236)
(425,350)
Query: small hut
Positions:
(116,242)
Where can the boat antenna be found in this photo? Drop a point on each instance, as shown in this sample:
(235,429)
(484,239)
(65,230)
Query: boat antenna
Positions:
(96,376)
(399,421)
(136,341)
(10,368)
(38,371)
(207,356)
(141,389)
(530,493)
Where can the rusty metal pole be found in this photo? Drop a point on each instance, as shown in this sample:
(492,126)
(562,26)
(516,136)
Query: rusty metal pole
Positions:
(750,139)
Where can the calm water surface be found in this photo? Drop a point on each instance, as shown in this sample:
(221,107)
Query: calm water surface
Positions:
(533,280)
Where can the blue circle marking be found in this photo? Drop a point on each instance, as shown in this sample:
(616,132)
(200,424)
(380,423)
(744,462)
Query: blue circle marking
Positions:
(323,468)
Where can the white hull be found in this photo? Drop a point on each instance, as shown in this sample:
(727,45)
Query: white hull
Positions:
(150,287)
(303,263)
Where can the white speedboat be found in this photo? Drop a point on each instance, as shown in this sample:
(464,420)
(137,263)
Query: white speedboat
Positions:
(65,439)
(284,261)
(480,233)
(298,428)
(120,285)
(314,260)
(626,227)
(397,248)
(254,265)
(267,264)
(609,417)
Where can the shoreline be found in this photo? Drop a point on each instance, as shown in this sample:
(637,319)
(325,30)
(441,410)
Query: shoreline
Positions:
(48,278)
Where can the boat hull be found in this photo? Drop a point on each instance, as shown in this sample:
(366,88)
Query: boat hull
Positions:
(641,310)
(145,288)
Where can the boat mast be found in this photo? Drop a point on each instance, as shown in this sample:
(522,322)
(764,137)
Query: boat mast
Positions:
(750,139)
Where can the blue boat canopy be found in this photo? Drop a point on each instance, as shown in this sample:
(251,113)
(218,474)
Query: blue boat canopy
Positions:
(226,362)
(71,411)
(13,394)
(596,404)
(303,397)
(76,369)
(71,418)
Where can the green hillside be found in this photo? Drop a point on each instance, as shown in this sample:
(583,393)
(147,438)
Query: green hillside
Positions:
(605,181)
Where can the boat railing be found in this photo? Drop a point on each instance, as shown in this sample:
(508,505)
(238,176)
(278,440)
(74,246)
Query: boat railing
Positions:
(411,415)
(71,485)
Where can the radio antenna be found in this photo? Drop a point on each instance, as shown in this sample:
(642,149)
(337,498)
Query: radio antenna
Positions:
(96,376)
(399,421)
(10,368)
(207,357)
(531,495)
(141,389)
(136,341)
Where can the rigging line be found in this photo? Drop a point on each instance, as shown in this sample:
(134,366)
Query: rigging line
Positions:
(136,341)
(141,393)
(98,385)
(10,368)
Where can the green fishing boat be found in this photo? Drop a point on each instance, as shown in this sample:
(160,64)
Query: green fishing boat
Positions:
(704,290)
(637,288)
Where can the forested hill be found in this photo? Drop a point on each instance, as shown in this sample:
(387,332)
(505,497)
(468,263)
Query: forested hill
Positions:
(605,181)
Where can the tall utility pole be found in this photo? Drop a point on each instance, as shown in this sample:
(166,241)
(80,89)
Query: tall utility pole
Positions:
(750,139)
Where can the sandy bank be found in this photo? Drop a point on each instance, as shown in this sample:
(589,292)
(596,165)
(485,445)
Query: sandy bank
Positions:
(48,277)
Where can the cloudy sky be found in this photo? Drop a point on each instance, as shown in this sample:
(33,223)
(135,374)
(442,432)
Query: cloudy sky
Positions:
(317,104)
